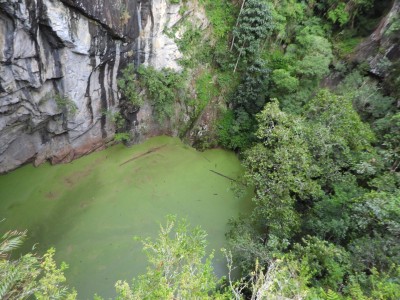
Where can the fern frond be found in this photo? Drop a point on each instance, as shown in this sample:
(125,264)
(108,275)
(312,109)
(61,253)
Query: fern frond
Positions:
(331,295)
(10,241)
(7,282)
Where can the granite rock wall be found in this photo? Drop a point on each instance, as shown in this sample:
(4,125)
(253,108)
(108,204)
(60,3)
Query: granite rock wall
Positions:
(59,62)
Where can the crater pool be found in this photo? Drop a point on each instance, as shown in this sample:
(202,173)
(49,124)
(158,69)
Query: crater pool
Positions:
(91,208)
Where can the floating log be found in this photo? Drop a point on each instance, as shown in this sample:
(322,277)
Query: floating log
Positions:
(143,154)
(227,177)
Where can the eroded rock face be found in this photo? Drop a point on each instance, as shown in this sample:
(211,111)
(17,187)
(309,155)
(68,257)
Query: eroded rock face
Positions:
(381,50)
(59,61)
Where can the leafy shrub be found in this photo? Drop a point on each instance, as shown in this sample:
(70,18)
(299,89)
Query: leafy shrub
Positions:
(347,46)
(122,137)
(30,275)
(328,264)
(339,14)
(128,86)
(316,53)
(235,130)
(283,81)
(189,45)
(220,13)
(252,90)
(179,267)
(65,103)
(162,88)
(253,26)
(205,89)
(367,96)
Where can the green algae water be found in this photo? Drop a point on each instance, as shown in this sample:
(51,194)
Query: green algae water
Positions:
(91,209)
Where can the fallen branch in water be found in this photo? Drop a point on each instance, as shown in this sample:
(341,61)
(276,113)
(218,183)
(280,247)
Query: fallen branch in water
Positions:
(143,154)
(227,177)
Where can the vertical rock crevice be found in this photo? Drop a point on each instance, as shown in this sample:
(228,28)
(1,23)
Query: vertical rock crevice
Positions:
(59,63)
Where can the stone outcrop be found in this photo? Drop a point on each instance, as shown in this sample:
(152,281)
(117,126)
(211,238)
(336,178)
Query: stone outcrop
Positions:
(381,50)
(59,61)
(383,42)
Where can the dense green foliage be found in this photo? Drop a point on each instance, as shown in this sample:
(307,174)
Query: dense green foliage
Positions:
(179,268)
(324,163)
(30,275)
(253,26)
(127,84)
(162,87)
(206,89)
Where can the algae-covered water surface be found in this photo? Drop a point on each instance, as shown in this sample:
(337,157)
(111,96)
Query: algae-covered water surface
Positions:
(91,209)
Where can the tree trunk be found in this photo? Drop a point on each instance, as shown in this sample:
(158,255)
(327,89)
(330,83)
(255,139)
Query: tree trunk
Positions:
(237,22)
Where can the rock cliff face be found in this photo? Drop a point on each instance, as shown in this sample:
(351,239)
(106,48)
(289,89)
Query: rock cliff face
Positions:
(59,61)
(381,50)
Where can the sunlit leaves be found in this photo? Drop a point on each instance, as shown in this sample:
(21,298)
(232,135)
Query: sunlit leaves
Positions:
(179,267)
